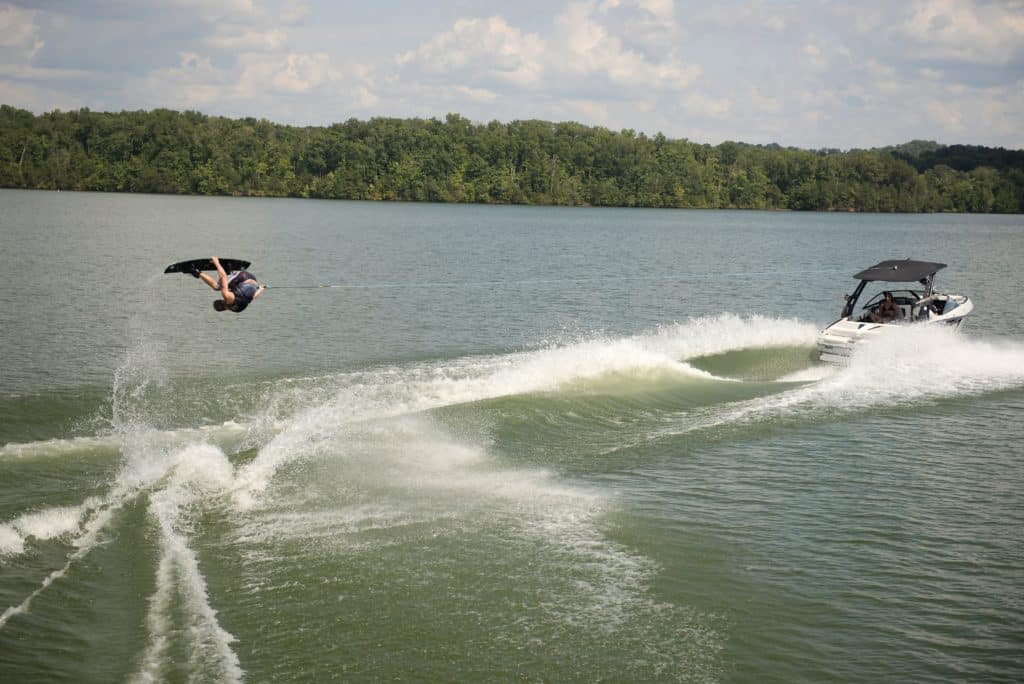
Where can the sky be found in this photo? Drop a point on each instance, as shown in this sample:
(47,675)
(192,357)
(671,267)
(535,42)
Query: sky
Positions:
(810,74)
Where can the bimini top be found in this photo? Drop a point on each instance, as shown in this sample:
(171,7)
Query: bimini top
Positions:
(902,271)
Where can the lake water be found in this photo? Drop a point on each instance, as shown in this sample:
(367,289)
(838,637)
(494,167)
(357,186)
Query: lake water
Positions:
(509,443)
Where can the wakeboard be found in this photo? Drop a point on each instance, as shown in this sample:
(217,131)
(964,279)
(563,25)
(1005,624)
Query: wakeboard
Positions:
(207,265)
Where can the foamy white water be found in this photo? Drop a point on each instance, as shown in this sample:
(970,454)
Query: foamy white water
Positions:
(907,367)
(200,471)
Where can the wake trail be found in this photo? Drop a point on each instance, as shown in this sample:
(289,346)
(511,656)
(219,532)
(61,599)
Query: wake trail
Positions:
(383,406)
(201,471)
(151,462)
(92,517)
(394,392)
(152,457)
(907,367)
(84,543)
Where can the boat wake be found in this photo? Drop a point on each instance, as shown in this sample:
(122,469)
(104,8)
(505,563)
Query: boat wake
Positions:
(354,464)
(904,370)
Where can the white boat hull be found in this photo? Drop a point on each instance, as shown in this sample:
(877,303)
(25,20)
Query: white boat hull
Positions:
(837,342)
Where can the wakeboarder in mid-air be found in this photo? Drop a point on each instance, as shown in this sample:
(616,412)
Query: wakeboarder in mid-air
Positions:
(237,290)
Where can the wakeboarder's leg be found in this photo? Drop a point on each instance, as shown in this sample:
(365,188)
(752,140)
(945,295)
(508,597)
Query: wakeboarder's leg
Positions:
(214,284)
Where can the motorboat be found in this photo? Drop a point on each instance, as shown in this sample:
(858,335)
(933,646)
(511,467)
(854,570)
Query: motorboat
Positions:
(916,303)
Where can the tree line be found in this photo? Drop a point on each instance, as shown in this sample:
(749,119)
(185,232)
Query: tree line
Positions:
(521,162)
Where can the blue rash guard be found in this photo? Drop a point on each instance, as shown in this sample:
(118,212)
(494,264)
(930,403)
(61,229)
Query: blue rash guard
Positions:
(243,291)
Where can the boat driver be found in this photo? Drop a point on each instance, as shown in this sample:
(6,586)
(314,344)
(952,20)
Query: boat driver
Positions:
(887,311)
(237,290)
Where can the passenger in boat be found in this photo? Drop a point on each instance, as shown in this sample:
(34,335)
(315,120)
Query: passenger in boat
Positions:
(887,311)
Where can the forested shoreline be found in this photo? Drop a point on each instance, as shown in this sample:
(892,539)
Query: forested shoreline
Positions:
(521,162)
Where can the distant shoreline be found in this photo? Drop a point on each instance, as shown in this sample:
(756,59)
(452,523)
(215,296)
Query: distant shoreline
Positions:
(455,161)
(489,204)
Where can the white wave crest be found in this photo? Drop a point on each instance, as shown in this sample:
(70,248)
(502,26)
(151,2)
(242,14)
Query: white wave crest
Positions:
(391,392)
(906,367)
(45,524)
(706,335)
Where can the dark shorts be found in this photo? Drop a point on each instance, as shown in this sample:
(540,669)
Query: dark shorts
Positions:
(240,277)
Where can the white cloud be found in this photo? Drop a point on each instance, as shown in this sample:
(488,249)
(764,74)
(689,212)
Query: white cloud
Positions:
(590,110)
(303,72)
(479,95)
(698,104)
(1001,111)
(763,103)
(775,23)
(883,79)
(591,50)
(20,43)
(582,53)
(958,110)
(863,18)
(752,15)
(879,70)
(291,73)
(247,39)
(814,56)
(213,11)
(819,98)
(18,28)
(481,49)
(20,40)
(192,84)
(294,10)
(455,96)
(964,30)
(363,98)
(822,74)
(275,85)
(946,114)
(37,97)
(663,9)
(649,27)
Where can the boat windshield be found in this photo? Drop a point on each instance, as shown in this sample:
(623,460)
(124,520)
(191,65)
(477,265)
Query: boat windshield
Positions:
(875,293)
